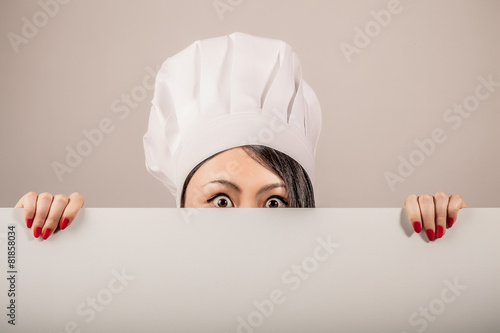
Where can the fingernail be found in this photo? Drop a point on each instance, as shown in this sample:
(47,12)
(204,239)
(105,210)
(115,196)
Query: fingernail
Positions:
(417,227)
(430,234)
(38,231)
(64,223)
(439,231)
(450,222)
(46,233)
(29,223)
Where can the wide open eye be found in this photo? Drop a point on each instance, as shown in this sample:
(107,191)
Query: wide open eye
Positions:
(275,202)
(221,201)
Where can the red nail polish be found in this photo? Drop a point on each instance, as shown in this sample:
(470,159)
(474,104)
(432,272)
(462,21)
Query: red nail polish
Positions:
(29,223)
(439,231)
(417,227)
(450,222)
(430,234)
(64,223)
(46,233)
(37,232)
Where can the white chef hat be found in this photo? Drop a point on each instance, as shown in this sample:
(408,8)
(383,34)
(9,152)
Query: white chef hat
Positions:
(226,92)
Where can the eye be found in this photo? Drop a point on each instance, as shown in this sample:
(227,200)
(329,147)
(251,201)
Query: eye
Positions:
(276,202)
(221,201)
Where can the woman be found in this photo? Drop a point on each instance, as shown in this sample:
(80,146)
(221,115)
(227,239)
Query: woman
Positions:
(233,124)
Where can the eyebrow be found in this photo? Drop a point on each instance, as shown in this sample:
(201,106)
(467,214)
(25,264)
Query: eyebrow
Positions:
(237,189)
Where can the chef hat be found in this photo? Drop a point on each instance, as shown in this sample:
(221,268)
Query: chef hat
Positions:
(226,92)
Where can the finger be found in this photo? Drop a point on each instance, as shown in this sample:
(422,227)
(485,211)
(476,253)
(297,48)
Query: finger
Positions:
(441,206)
(28,202)
(426,203)
(19,204)
(41,211)
(75,202)
(455,204)
(413,211)
(56,210)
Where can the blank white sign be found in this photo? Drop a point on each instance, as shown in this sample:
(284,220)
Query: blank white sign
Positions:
(251,270)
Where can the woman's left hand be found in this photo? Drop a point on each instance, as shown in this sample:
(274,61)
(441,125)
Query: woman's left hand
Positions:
(434,213)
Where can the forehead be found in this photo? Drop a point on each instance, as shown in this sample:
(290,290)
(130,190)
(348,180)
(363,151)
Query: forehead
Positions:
(236,165)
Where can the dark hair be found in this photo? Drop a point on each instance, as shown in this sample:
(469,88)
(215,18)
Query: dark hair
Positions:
(298,185)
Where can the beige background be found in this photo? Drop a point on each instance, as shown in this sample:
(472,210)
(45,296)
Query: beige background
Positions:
(65,78)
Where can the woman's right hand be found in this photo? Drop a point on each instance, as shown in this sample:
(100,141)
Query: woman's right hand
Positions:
(44,213)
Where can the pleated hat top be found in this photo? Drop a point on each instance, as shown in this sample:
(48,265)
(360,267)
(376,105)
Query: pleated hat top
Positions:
(226,92)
